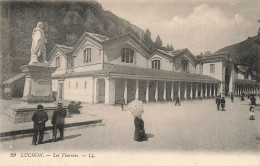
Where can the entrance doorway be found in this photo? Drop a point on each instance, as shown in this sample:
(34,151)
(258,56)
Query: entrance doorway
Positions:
(60,93)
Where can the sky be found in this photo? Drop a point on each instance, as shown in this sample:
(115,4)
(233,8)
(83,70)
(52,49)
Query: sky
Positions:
(199,25)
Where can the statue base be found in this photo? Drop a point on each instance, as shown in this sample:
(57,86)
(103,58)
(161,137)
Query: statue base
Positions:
(37,90)
(21,113)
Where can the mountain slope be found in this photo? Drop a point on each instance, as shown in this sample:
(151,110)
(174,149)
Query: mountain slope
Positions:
(246,53)
(64,23)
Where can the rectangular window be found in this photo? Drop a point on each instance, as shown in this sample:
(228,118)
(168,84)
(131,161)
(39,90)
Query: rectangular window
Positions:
(212,68)
(185,65)
(85,84)
(77,85)
(87,55)
(127,55)
(156,64)
(58,62)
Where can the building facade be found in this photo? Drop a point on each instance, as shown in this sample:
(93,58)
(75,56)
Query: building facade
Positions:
(102,70)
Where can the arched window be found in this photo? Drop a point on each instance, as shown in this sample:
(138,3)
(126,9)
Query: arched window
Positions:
(184,65)
(156,64)
(127,55)
(58,62)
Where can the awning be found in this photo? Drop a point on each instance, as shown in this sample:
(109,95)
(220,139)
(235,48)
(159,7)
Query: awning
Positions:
(246,82)
(13,79)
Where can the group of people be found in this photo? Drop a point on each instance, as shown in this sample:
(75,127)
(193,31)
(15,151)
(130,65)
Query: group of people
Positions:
(40,117)
(251,99)
(221,102)
(73,107)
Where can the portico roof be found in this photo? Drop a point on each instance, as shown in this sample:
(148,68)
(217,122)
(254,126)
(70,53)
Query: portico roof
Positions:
(130,72)
(245,82)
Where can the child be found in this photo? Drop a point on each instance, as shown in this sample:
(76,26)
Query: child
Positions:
(252,112)
(136,109)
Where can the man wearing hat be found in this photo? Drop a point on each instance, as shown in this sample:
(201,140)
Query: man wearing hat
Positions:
(39,118)
(58,121)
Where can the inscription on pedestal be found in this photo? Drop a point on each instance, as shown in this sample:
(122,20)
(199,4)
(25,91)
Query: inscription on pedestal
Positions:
(41,88)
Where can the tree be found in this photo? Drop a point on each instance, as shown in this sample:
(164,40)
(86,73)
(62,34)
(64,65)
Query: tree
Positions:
(158,43)
(148,40)
(171,48)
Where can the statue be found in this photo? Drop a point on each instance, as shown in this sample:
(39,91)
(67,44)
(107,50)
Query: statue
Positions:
(38,44)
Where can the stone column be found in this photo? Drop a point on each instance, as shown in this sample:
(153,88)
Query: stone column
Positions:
(137,90)
(179,90)
(201,91)
(185,90)
(164,91)
(156,91)
(125,91)
(214,90)
(96,87)
(147,91)
(109,91)
(191,95)
(197,91)
(172,91)
(210,92)
(206,90)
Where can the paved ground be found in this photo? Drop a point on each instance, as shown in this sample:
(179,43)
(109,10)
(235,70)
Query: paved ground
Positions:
(193,126)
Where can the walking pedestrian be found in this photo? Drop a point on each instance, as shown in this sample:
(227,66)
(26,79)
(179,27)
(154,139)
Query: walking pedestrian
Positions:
(232,97)
(177,100)
(222,102)
(58,117)
(253,100)
(39,118)
(218,102)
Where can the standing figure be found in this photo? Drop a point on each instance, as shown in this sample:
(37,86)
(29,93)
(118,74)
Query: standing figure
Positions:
(38,44)
(253,100)
(136,109)
(218,102)
(58,121)
(122,103)
(252,112)
(39,118)
(222,102)
(242,97)
(177,100)
(232,97)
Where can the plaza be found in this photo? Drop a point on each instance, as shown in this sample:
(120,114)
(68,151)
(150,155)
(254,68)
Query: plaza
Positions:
(195,126)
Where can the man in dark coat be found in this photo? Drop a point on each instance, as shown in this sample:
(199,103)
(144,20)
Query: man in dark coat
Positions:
(222,102)
(253,100)
(177,100)
(218,102)
(232,97)
(39,118)
(58,117)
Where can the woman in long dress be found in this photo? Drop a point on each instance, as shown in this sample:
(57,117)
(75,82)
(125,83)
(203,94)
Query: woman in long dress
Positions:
(136,109)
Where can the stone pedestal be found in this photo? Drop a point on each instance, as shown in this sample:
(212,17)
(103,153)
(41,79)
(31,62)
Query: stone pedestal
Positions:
(37,90)
(37,87)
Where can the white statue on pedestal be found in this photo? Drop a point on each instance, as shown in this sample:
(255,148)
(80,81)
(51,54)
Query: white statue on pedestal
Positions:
(38,44)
